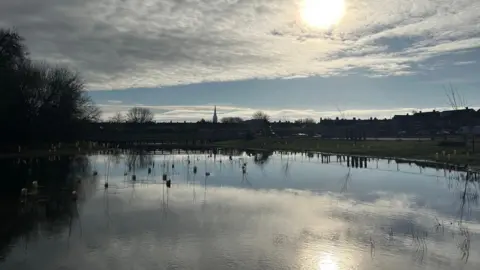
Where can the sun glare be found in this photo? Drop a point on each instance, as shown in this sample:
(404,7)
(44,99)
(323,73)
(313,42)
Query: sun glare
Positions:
(326,263)
(322,13)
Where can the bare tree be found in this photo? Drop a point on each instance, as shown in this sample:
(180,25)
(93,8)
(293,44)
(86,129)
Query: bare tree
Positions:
(260,115)
(305,121)
(231,120)
(12,49)
(455,100)
(308,121)
(139,115)
(38,101)
(458,102)
(117,118)
(342,113)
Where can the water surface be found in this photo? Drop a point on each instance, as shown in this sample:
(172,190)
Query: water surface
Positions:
(288,211)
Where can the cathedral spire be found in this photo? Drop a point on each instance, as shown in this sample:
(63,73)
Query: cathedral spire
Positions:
(215,118)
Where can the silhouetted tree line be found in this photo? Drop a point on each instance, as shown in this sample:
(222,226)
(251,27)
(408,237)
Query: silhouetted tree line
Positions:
(231,120)
(137,115)
(39,102)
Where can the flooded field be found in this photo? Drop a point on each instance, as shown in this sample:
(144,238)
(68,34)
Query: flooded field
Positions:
(237,211)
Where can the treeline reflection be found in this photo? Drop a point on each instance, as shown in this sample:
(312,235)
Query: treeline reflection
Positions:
(52,208)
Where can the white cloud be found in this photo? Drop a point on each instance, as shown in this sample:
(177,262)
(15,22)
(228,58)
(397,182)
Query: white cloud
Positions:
(195,113)
(115,101)
(463,63)
(293,77)
(120,44)
(292,228)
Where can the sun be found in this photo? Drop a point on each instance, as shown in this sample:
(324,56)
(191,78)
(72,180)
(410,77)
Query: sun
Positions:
(322,13)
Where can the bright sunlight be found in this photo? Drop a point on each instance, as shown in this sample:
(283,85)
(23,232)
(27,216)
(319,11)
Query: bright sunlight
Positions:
(326,263)
(322,13)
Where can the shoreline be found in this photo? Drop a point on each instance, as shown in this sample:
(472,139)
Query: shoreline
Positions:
(419,162)
(423,152)
(406,151)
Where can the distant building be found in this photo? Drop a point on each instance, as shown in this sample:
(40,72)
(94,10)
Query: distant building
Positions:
(435,121)
(215,117)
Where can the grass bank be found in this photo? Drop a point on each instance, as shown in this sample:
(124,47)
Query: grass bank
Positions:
(407,149)
(86,148)
(48,150)
(421,150)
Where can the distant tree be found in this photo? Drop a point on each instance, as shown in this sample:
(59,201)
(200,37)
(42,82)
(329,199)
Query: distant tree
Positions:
(117,118)
(231,120)
(305,121)
(308,121)
(260,115)
(139,115)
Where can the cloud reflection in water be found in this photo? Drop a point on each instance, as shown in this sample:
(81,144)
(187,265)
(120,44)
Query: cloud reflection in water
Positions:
(239,228)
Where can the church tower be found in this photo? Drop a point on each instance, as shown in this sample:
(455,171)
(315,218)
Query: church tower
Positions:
(215,118)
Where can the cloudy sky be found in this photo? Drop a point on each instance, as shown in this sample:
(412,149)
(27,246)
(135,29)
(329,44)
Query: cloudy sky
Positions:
(291,58)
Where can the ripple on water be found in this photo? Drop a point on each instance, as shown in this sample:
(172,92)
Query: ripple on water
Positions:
(310,221)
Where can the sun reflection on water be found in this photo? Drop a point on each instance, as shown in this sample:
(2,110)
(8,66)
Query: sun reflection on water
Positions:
(327,263)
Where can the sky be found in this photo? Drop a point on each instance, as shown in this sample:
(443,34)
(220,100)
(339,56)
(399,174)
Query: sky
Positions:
(289,58)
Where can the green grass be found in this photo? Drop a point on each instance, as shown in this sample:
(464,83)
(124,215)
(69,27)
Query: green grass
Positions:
(423,150)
